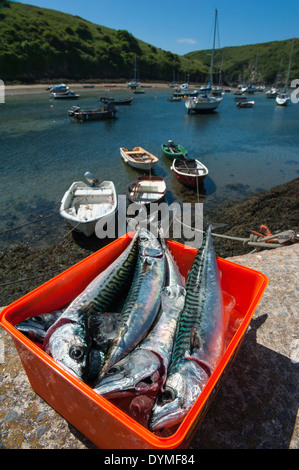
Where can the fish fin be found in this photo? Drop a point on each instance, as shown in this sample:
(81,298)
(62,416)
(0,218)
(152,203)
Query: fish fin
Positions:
(195,342)
(104,327)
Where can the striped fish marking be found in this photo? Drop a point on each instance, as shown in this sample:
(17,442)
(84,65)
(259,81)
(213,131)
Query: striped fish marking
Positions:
(144,369)
(199,341)
(190,319)
(116,280)
(69,340)
(143,301)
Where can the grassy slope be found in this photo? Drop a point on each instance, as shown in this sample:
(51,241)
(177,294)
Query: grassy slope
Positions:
(257,62)
(38,43)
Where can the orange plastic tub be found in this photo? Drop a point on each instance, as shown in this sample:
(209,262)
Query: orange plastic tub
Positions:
(100,420)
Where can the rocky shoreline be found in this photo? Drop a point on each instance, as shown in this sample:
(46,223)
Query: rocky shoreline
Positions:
(24,268)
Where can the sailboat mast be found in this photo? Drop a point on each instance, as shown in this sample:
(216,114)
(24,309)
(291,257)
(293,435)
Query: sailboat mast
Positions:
(135,68)
(212,59)
(290,63)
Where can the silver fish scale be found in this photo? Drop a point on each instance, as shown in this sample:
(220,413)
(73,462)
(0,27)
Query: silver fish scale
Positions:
(115,283)
(143,301)
(191,316)
(145,368)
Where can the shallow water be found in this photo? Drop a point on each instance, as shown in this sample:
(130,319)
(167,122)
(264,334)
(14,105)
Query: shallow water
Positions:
(42,151)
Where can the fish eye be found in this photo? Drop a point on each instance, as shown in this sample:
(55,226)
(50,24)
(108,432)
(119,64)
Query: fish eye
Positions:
(148,380)
(168,395)
(113,370)
(76,353)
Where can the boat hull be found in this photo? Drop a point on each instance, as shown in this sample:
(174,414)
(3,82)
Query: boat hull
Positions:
(282,101)
(146,190)
(130,157)
(108,111)
(190,181)
(122,102)
(83,206)
(246,104)
(87,228)
(65,96)
(171,154)
(202,105)
(93,115)
(189,172)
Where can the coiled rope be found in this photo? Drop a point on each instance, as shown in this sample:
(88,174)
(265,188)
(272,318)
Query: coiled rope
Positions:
(255,239)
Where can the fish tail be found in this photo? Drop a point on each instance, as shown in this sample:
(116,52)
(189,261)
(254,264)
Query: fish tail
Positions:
(196,268)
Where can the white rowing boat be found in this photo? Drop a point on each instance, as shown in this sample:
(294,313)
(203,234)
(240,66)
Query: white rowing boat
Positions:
(83,205)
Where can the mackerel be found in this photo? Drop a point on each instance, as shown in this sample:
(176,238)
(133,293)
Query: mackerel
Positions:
(199,342)
(143,301)
(36,327)
(69,339)
(144,370)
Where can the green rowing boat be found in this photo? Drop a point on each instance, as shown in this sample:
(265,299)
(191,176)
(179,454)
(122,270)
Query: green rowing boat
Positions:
(172,151)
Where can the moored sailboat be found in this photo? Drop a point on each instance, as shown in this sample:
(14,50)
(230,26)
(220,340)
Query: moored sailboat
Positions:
(282,99)
(204,101)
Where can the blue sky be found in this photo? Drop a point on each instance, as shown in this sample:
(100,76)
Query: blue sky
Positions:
(182,27)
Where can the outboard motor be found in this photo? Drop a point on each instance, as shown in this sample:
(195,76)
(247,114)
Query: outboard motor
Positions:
(91,179)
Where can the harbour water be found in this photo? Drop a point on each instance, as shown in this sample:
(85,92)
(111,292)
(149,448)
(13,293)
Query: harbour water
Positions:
(42,151)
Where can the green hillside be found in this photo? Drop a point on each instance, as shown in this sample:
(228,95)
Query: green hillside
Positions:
(38,43)
(256,63)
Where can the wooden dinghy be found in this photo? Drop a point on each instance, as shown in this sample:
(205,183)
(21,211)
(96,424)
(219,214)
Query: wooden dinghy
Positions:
(138,158)
(147,189)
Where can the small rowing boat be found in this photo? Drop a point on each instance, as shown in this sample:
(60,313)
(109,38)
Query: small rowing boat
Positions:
(147,189)
(172,151)
(123,101)
(83,205)
(68,95)
(245,104)
(190,172)
(138,158)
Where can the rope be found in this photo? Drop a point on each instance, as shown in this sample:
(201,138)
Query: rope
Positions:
(253,240)
(37,220)
(29,278)
(29,223)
